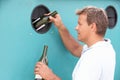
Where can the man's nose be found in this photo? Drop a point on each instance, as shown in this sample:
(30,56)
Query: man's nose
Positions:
(76,28)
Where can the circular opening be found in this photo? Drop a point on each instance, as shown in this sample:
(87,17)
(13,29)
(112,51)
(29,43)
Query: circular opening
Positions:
(37,15)
(112,16)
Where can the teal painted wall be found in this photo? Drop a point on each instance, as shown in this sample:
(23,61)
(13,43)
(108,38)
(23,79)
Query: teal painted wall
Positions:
(21,46)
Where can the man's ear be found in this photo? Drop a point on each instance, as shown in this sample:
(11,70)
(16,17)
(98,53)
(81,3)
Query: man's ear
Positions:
(93,27)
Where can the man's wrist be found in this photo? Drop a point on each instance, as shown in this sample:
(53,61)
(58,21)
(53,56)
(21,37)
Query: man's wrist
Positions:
(53,77)
(61,27)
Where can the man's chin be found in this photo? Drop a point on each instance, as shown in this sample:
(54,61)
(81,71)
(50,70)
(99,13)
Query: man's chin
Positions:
(79,39)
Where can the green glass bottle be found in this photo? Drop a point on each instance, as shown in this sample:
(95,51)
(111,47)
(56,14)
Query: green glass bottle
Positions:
(43,59)
(45,20)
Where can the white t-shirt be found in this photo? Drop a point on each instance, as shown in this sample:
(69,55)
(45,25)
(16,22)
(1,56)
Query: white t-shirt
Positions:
(96,63)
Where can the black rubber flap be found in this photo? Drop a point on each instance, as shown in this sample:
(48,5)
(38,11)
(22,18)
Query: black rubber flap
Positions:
(112,16)
(38,12)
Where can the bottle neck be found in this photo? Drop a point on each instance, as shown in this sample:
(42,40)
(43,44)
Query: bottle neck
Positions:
(44,54)
(53,13)
(45,51)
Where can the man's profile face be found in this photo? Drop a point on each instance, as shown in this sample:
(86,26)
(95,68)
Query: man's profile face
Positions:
(82,28)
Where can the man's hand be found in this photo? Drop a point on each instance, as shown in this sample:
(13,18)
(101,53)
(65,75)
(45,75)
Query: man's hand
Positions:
(45,72)
(56,20)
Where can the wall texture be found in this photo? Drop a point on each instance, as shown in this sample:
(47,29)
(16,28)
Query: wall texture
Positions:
(21,46)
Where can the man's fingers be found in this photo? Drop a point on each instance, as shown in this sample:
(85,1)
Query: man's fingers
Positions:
(51,18)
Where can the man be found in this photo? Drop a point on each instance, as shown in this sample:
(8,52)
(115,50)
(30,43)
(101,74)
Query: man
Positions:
(97,56)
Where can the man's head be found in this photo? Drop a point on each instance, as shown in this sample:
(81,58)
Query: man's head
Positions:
(97,16)
(94,16)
